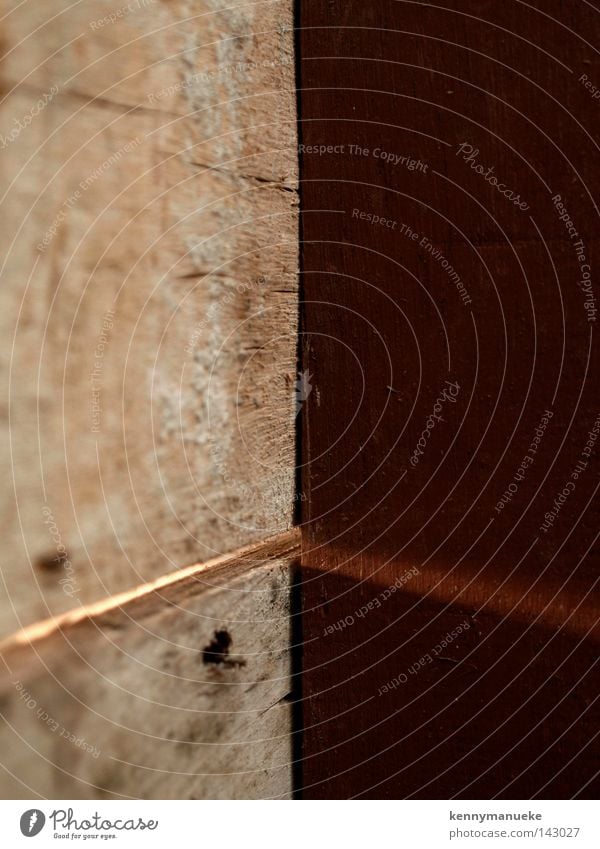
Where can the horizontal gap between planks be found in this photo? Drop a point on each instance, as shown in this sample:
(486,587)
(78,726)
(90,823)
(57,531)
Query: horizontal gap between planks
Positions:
(270,548)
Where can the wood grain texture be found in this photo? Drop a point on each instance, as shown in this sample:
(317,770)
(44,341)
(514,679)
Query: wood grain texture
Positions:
(148,291)
(181,690)
(450,324)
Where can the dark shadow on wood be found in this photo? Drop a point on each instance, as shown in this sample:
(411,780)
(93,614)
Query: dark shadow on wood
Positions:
(407,697)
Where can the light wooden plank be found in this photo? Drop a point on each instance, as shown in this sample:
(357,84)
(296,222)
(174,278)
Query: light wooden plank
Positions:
(139,697)
(148,293)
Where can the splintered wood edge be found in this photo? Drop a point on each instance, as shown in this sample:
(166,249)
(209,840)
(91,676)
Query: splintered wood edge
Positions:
(226,567)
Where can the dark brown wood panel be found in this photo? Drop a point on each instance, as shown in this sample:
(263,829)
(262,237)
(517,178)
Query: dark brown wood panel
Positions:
(449,156)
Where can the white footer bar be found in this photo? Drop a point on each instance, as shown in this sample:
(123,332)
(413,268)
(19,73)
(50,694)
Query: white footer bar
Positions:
(291,825)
